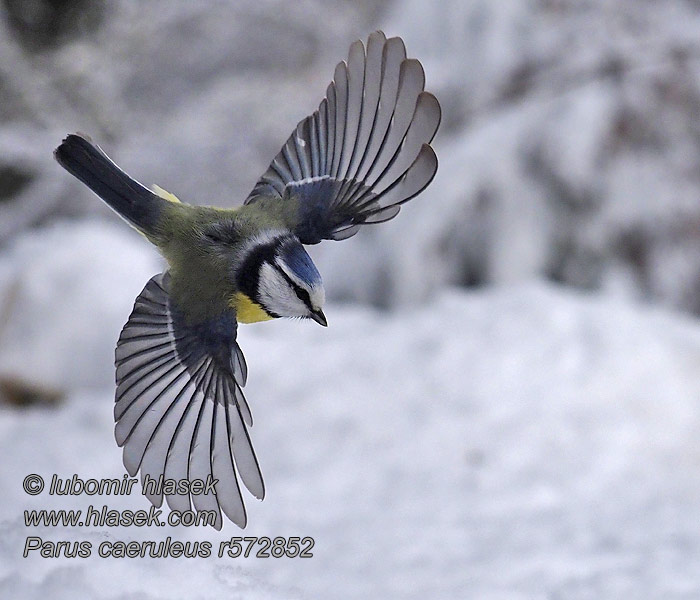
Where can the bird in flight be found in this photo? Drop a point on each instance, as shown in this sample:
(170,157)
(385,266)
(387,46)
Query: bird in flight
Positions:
(180,411)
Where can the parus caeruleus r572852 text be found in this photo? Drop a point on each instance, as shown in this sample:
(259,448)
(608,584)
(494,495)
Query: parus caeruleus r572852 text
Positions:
(180,410)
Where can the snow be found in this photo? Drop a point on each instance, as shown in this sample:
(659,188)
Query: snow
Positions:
(512,443)
(516,441)
(46,290)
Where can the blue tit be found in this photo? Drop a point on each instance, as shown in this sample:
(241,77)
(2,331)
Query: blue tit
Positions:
(180,411)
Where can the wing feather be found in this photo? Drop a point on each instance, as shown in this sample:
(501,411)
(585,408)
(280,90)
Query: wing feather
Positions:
(330,131)
(153,462)
(341,116)
(411,81)
(179,409)
(177,462)
(201,451)
(322,136)
(370,102)
(394,53)
(362,154)
(356,86)
(223,467)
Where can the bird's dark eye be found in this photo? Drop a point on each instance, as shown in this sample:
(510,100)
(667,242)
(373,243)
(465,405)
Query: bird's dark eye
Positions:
(303,295)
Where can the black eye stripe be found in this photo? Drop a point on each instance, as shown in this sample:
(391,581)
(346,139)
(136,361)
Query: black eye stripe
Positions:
(248,274)
(301,293)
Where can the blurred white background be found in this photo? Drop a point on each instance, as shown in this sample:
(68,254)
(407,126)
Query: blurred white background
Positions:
(506,404)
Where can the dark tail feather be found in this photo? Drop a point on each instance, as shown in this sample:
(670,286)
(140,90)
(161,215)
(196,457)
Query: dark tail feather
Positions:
(135,203)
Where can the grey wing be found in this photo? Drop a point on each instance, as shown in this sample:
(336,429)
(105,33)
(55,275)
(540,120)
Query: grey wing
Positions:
(180,412)
(364,152)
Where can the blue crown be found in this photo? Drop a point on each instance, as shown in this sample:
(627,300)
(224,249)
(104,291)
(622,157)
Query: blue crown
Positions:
(298,260)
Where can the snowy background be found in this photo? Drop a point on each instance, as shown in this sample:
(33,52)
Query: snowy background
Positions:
(506,405)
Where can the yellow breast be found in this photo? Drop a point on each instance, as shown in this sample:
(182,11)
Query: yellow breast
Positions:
(248,311)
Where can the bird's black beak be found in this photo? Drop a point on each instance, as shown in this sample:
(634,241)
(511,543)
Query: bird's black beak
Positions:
(319,317)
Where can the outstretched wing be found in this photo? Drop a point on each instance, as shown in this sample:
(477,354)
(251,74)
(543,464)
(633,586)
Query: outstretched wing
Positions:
(363,153)
(179,410)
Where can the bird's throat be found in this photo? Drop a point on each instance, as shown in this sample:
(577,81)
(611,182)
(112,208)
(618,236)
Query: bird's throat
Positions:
(248,311)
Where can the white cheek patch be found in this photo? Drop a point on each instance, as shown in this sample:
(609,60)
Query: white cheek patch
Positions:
(316,292)
(276,294)
(318,297)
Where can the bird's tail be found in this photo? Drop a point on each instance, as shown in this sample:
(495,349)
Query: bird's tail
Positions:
(132,201)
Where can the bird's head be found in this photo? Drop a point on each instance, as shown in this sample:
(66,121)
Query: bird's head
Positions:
(278,275)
